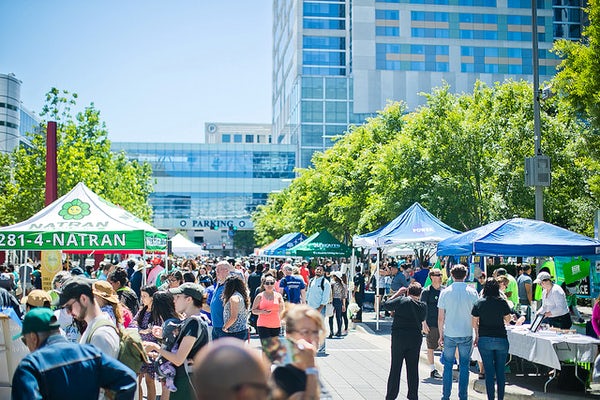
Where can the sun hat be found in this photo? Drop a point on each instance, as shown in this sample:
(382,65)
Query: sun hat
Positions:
(37,298)
(105,290)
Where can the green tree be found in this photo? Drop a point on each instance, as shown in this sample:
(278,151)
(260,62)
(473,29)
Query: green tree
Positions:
(83,155)
(578,82)
(460,155)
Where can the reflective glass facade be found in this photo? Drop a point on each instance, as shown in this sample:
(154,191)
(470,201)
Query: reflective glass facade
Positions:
(199,185)
(15,120)
(337,62)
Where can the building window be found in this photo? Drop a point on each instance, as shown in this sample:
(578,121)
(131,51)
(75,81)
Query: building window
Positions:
(323,10)
(387,31)
(333,58)
(237,138)
(387,14)
(249,138)
(314,23)
(324,42)
(312,88)
(312,135)
(336,111)
(226,138)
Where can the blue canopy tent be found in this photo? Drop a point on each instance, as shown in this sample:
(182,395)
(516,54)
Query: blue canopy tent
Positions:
(519,237)
(287,241)
(414,225)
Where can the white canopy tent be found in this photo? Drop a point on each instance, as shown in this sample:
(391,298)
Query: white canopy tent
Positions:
(180,245)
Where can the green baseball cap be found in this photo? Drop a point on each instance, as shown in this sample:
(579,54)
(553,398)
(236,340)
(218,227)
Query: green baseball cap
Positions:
(39,320)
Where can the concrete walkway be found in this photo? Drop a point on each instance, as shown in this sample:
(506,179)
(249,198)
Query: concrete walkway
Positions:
(517,388)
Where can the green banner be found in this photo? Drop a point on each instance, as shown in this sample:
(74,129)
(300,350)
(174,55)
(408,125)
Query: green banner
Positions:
(571,269)
(112,240)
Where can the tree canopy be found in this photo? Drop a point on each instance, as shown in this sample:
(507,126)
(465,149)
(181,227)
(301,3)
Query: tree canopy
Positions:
(460,155)
(83,155)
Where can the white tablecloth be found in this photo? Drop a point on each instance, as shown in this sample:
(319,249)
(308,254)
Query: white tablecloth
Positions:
(550,348)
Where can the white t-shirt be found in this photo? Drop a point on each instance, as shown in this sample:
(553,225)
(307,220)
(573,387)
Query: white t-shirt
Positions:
(105,337)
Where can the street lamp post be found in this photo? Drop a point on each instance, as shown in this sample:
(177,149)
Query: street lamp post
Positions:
(537,134)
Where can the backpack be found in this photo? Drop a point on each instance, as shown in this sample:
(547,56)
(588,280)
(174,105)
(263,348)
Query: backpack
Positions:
(131,349)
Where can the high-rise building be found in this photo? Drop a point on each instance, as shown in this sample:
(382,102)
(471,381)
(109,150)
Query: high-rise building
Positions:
(230,132)
(15,120)
(337,62)
(209,191)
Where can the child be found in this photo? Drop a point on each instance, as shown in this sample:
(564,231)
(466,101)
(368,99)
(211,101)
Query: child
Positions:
(165,369)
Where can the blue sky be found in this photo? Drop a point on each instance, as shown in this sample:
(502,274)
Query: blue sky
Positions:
(156,70)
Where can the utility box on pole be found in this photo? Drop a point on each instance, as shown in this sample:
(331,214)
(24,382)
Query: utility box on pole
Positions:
(537,171)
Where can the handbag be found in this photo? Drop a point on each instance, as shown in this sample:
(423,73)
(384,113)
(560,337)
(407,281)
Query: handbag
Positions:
(329,310)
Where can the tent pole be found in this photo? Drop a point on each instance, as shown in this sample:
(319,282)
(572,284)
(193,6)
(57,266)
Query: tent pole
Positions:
(144,268)
(351,278)
(377,292)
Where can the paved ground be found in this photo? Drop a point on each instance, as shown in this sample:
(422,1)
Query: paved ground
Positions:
(357,365)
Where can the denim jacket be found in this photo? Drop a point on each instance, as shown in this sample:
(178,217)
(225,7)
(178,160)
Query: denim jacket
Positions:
(64,370)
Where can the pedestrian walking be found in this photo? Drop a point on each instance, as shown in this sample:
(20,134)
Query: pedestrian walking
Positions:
(490,314)
(456,331)
(409,314)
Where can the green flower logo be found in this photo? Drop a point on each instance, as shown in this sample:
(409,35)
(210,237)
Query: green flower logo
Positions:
(75,209)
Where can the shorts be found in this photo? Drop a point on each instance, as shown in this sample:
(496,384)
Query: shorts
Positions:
(381,291)
(433,338)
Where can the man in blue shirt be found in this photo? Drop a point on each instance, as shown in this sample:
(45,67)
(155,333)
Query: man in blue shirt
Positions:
(319,292)
(222,270)
(398,278)
(456,330)
(58,369)
(293,285)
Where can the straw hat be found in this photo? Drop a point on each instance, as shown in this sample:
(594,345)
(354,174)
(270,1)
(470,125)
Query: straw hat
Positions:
(105,290)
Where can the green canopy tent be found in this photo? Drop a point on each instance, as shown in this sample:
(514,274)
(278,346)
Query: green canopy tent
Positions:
(82,222)
(320,244)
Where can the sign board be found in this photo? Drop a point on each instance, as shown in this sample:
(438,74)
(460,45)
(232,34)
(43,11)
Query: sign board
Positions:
(51,264)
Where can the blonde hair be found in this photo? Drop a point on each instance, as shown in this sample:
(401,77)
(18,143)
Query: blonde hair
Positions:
(296,312)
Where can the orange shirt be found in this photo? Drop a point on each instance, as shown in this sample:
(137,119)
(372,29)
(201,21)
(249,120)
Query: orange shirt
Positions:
(270,320)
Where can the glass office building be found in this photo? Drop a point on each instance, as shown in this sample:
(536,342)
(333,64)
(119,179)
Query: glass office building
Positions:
(15,120)
(210,190)
(337,62)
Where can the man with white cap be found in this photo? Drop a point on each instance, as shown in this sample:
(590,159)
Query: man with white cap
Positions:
(554,302)
(292,285)
(59,369)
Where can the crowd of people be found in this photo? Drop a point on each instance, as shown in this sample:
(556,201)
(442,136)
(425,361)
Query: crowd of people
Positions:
(185,316)
(189,314)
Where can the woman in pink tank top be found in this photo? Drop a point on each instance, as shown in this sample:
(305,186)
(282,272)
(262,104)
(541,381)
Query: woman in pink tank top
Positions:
(269,306)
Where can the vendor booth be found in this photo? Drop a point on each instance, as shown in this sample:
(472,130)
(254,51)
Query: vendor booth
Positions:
(532,238)
(320,244)
(79,222)
(181,246)
(414,225)
(279,247)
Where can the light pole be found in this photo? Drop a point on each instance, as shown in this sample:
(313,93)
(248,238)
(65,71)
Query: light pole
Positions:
(537,132)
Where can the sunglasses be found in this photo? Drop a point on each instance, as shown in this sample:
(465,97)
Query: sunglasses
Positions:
(69,307)
(269,283)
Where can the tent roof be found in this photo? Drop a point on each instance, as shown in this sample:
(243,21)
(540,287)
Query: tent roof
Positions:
(182,245)
(414,225)
(519,237)
(287,241)
(321,244)
(81,221)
